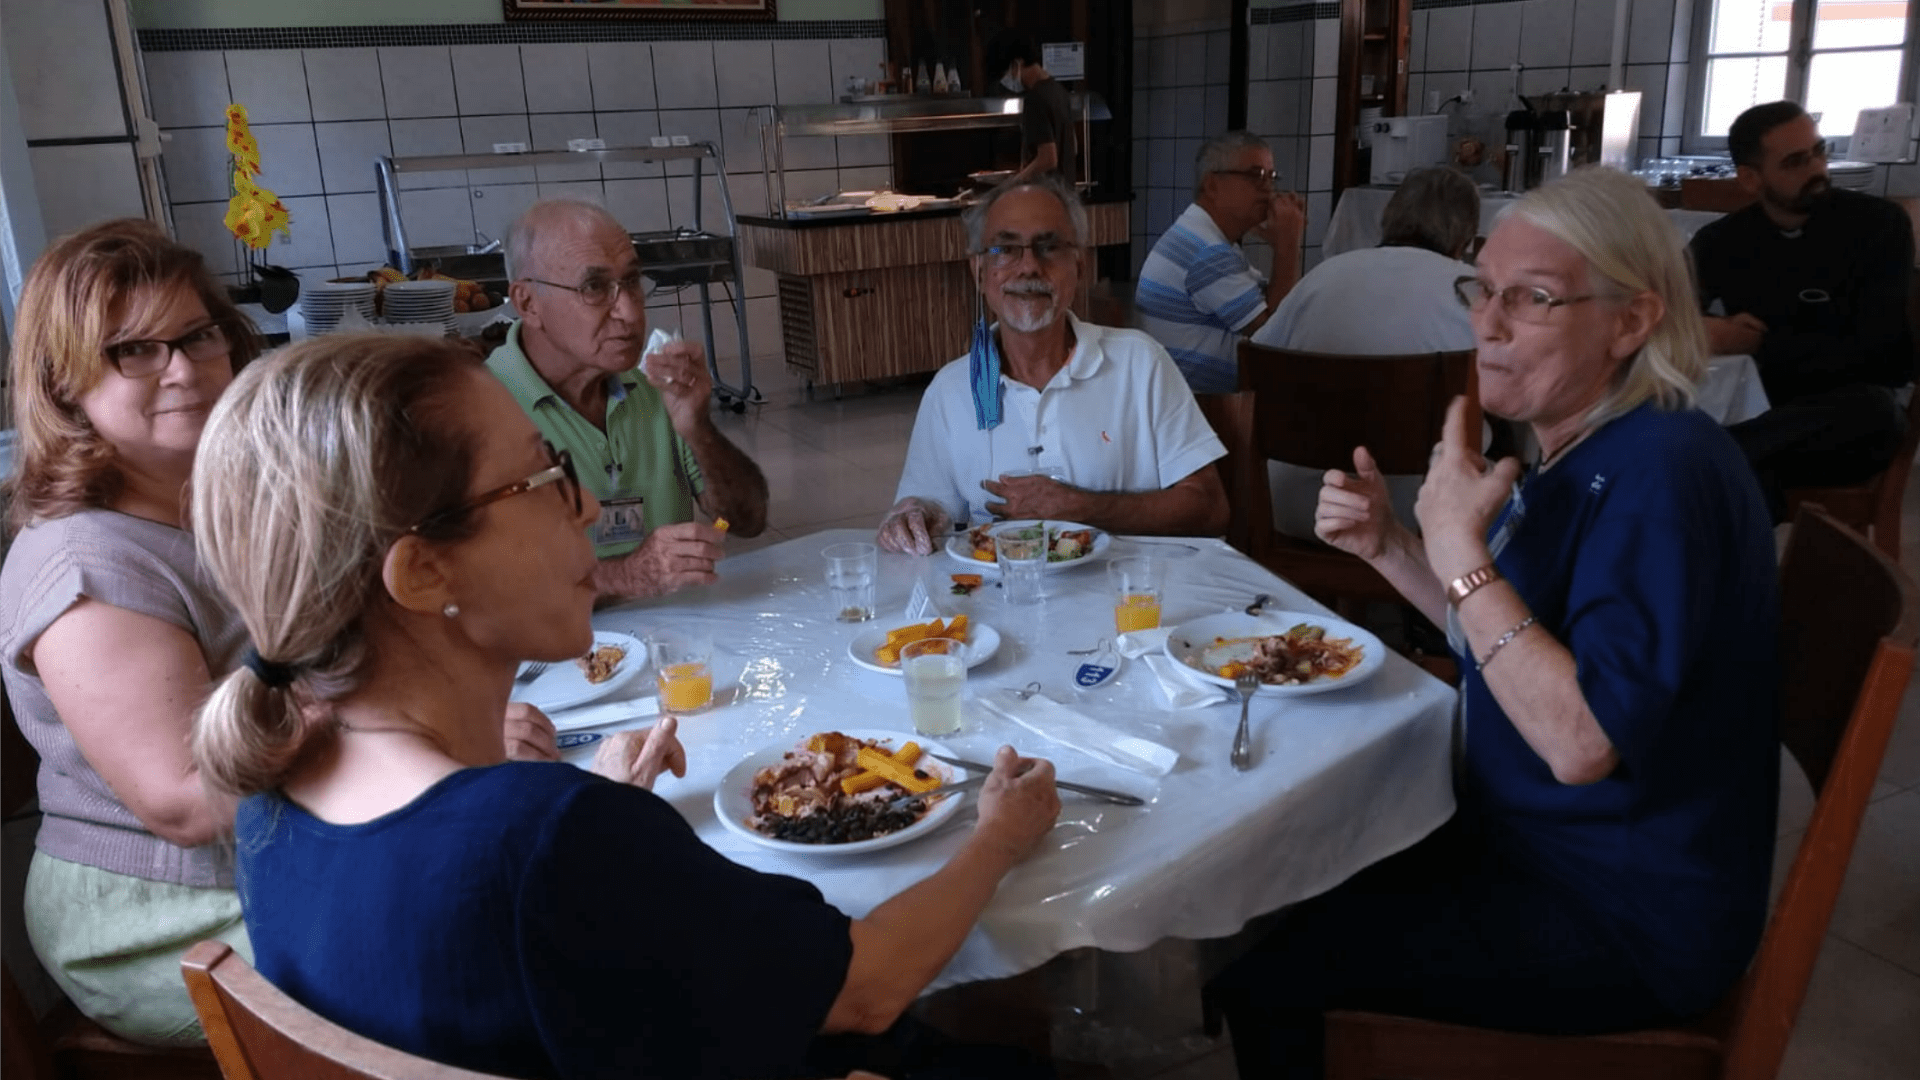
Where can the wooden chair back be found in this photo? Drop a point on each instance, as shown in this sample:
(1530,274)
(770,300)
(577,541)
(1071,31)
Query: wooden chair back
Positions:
(259,1033)
(1312,409)
(1243,472)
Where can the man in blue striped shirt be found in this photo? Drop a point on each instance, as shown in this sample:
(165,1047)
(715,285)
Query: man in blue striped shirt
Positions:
(1197,295)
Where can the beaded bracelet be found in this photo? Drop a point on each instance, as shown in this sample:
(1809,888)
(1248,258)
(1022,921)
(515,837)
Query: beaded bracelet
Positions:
(1481,665)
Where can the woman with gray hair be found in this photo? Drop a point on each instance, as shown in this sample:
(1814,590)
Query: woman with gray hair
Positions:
(1613,609)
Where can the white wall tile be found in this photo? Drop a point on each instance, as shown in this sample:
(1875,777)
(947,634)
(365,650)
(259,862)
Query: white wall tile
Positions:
(1162,64)
(1258,50)
(680,202)
(202,227)
(1650,31)
(698,125)
(437,218)
(1326,47)
(1449,38)
(1165,161)
(1321,116)
(1319,211)
(1496,35)
(480,133)
(1216,107)
(344,84)
(683,74)
(488,79)
(641,205)
(1290,106)
(1674,123)
(1546,32)
(865,179)
(761,282)
(271,83)
(1541,80)
(857,151)
(749,194)
(1190,109)
(556,78)
(857,56)
(347,152)
(803,72)
(1588,78)
(356,229)
(1260,107)
(578,190)
(810,152)
(195,163)
(426,138)
(740,140)
(1294,50)
(1592,32)
(1285,162)
(622,75)
(807,184)
(81,185)
(1417,42)
(418,80)
(629,129)
(1162,209)
(1163,119)
(1492,91)
(308,240)
(1190,60)
(550,132)
(1320,163)
(1142,119)
(745,72)
(1417,94)
(58,97)
(1651,81)
(187,89)
(1183,154)
(1219,49)
(289,160)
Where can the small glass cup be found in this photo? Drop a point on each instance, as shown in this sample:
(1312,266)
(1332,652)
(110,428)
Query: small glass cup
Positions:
(1022,555)
(935,670)
(683,670)
(851,569)
(1138,583)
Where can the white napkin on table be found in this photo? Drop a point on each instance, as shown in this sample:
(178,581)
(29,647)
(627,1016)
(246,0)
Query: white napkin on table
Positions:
(1049,719)
(1178,684)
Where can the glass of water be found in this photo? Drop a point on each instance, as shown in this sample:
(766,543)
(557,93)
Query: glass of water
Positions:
(850,573)
(1022,555)
(936,672)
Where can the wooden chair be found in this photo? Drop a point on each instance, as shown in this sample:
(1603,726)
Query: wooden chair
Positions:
(1312,409)
(1243,472)
(1849,622)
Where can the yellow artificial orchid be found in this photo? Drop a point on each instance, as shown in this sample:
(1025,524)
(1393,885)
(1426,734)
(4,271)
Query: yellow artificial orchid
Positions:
(254,213)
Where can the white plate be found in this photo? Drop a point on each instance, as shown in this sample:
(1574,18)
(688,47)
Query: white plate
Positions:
(563,685)
(733,799)
(1186,642)
(982,642)
(960,549)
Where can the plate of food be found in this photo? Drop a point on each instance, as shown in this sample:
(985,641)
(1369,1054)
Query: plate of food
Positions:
(878,649)
(1069,543)
(1293,652)
(828,793)
(615,661)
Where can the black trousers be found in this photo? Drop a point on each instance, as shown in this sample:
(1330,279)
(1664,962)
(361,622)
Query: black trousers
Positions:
(1840,436)
(1446,930)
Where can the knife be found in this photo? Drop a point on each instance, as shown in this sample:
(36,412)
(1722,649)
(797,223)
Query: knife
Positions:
(1119,797)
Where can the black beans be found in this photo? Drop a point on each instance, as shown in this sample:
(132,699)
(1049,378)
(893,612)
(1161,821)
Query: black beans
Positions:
(843,824)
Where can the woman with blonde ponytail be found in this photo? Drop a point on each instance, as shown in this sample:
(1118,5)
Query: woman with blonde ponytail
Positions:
(397,539)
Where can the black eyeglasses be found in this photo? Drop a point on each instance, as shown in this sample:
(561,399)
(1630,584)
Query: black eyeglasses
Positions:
(1261,178)
(147,357)
(604,292)
(1525,303)
(560,472)
(1045,249)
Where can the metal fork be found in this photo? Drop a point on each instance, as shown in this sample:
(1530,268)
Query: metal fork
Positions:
(1246,682)
(532,672)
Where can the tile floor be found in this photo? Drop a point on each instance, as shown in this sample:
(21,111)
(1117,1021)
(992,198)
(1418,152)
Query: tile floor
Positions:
(833,463)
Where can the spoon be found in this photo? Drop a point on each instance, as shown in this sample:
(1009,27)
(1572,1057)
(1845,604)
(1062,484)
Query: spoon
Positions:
(1246,682)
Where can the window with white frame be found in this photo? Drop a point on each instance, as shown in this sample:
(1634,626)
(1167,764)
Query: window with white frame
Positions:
(1835,57)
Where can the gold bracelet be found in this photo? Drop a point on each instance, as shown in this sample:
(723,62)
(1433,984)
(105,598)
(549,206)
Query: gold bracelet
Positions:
(1481,664)
(1466,584)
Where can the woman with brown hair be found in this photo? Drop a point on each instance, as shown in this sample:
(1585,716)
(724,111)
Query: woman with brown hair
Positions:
(109,633)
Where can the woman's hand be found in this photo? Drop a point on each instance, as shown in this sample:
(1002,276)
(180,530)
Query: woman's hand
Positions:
(1018,804)
(1354,513)
(530,735)
(1461,497)
(639,757)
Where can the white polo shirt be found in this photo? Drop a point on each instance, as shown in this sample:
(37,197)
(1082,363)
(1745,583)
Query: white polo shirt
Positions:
(1117,417)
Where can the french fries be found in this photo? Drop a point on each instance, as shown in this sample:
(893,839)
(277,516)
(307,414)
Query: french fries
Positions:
(867,781)
(890,770)
(897,640)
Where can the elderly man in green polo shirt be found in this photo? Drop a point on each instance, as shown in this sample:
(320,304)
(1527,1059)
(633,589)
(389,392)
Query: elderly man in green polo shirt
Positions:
(642,441)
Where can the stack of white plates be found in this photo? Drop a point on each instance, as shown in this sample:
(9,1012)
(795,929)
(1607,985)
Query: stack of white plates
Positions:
(420,304)
(324,303)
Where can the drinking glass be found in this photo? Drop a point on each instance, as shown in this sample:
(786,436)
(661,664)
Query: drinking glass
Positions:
(1137,586)
(850,572)
(936,672)
(683,670)
(1023,559)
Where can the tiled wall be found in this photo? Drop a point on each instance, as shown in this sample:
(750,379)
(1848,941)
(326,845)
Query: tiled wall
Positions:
(1293,56)
(1179,100)
(321,116)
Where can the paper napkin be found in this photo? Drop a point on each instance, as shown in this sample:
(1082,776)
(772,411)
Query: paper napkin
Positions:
(1049,719)
(1178,684)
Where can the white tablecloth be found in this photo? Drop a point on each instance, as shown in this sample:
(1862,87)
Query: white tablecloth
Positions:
(1356,218)
(1341,779)
(1732,391)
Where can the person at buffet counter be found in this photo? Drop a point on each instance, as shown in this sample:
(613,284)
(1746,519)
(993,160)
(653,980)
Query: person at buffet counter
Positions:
(1046,112)
(1813,281)
(402,879)
(641,436)
(1197,294)
(1048,416)
(1613,608)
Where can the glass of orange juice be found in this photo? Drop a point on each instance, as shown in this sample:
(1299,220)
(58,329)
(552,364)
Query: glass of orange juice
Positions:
(683,669)
(1137,585)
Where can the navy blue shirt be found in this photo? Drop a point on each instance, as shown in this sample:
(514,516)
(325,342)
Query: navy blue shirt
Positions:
(1646,551)
(536,920)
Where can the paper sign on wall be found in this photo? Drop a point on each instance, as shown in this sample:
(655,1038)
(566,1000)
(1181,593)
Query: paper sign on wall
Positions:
(1883,135)
(1065,61)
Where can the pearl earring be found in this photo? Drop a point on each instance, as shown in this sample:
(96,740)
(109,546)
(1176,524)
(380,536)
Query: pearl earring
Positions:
(451,611)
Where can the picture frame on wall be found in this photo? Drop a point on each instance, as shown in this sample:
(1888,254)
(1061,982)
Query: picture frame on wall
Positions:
(750,10)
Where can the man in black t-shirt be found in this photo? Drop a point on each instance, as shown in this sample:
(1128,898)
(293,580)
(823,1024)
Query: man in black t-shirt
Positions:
(1813,284)
(1046,115)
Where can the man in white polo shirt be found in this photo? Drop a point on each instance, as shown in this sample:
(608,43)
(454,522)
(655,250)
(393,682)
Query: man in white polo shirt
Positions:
(1048,416)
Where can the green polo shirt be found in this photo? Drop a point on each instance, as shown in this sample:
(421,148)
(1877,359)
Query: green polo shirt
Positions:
(637,455)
